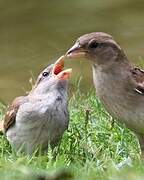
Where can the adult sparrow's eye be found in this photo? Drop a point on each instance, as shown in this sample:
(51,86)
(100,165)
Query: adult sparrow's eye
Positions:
(93,45)
(45,74)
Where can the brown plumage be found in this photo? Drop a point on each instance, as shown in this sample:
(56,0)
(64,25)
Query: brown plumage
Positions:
(119,85)
(10,116)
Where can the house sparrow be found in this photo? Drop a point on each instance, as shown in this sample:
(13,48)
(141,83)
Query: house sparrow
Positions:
(119,85)
(41,117)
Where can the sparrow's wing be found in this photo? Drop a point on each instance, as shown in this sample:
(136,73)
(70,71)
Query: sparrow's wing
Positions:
(11,112)
(138,79)
(1,126)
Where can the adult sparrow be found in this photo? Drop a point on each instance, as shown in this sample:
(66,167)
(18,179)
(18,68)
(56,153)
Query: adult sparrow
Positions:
(119,85)
(41,117)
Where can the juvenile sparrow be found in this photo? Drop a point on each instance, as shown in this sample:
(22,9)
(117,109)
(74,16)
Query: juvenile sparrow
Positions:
(119,85)
(41,117)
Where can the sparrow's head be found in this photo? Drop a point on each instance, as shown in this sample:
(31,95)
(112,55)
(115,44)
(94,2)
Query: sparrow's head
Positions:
(99,47)
(53,77)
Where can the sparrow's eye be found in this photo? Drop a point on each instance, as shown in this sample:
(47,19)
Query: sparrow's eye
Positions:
(93,44)
(45,74)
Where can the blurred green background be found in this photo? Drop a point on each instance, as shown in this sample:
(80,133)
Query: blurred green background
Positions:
(34,33)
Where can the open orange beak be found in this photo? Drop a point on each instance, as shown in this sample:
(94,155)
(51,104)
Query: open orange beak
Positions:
(58,69)
(76,52)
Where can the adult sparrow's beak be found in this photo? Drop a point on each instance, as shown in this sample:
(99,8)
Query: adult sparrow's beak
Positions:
(58,69)
(76,51)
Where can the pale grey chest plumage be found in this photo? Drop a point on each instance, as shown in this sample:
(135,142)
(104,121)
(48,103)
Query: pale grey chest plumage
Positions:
(39,123)
(123,104)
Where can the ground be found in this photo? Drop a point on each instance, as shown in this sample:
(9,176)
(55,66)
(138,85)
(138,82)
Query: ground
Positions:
(94,147)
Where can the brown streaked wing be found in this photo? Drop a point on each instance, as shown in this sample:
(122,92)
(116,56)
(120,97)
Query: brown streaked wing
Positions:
(12,110)
(138,77)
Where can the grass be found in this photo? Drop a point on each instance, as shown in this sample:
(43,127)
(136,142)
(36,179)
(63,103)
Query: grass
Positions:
(93,148)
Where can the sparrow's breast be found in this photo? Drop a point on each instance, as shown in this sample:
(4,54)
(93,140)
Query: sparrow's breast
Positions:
(37,124)
(121,103)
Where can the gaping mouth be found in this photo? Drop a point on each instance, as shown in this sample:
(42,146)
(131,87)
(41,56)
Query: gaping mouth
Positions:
(58,69)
